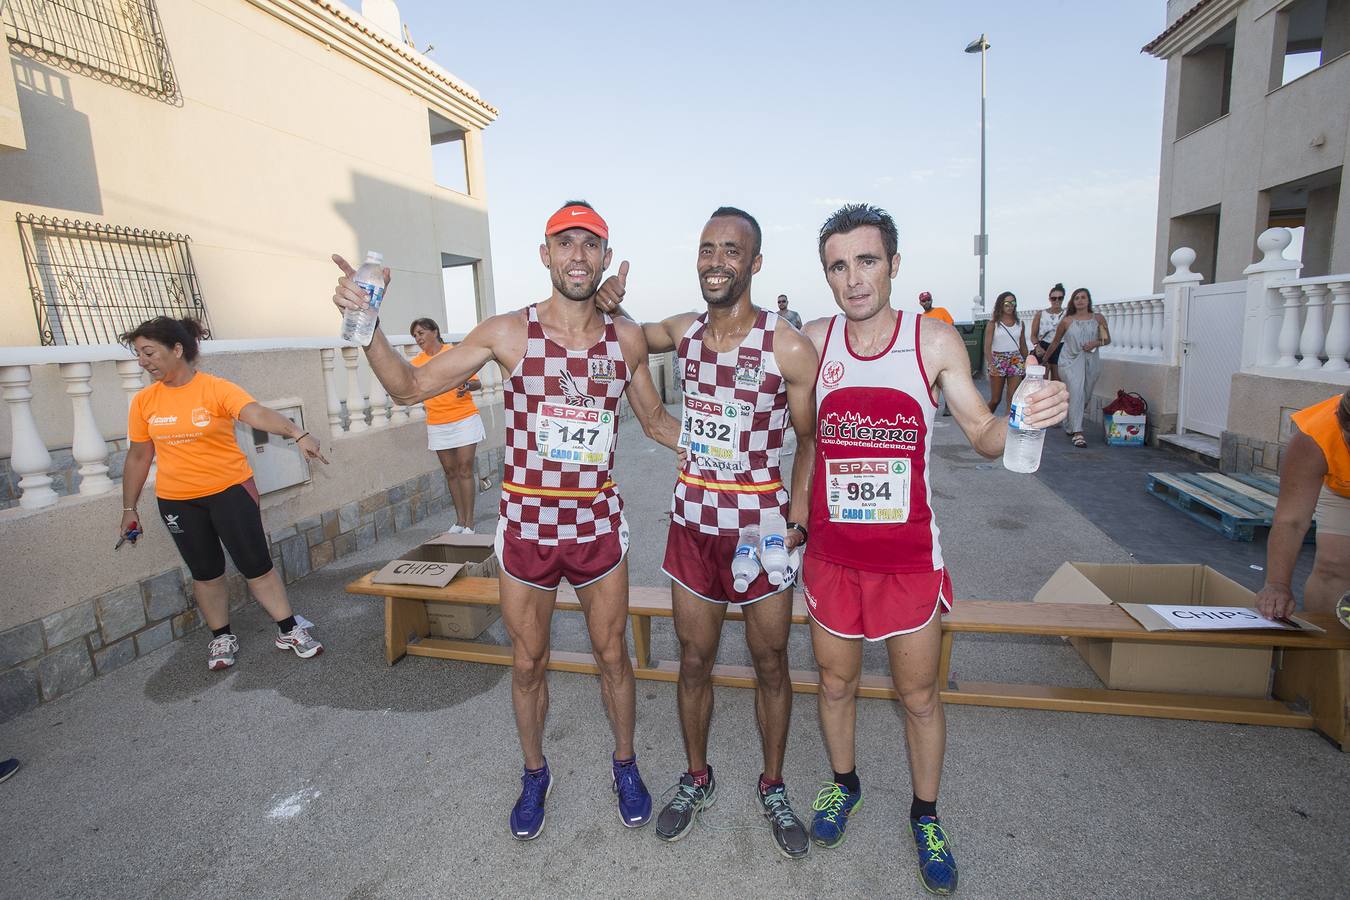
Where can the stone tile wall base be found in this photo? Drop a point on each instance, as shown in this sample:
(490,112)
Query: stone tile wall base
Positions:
(50,657)
(1245,454)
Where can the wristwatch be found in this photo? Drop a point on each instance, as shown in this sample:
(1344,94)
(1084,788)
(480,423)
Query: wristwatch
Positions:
(800,528)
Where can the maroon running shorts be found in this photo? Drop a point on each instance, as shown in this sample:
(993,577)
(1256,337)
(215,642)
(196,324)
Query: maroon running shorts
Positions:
(701,564)
(545,565)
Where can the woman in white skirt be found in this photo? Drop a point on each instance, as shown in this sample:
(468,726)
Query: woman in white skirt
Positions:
(454,428)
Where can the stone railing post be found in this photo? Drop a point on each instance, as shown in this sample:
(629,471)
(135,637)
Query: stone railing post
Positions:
(28,453)
(328,359)
(1287,341)
(1338,333)
(130,373)
(416,412)
(1263,319)
(356,401)
(1314,326)
(87,444)
(1177,289)
(1155,332)
(379,400)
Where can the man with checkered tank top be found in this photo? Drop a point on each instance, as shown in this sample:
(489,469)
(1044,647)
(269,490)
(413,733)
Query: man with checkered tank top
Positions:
(746,372)
(565,366)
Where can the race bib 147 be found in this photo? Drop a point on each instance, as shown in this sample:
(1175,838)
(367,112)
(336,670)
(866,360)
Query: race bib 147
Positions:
(571,434)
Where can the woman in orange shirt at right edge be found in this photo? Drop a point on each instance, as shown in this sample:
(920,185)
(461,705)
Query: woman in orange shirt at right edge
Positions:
(1314,478)
(454,428)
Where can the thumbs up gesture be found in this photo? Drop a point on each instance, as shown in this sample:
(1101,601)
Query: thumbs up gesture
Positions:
(610,295)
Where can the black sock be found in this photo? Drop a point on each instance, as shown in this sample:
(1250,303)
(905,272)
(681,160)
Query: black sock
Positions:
(920,808)
(286,624)
(849,780)
(217,632)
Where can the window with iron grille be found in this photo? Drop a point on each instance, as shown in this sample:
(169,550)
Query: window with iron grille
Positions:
(119,41)
(91,282)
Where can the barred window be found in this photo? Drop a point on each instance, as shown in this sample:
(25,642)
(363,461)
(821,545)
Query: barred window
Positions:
(119,41)
(91,282)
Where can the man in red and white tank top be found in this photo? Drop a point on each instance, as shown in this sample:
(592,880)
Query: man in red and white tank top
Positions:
(565,366)
(746,372)
(874,567)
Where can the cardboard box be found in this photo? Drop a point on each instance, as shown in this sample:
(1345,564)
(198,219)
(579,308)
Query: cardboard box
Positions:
(1126,665)
(1125,431)
(475,554)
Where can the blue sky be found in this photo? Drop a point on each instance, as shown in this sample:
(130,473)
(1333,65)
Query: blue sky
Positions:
(658,114)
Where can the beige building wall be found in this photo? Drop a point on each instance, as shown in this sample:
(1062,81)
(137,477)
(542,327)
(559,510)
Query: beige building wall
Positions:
(1269,137)
(298,135)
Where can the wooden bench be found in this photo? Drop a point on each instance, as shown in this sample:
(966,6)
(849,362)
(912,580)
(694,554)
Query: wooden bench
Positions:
(1313,671)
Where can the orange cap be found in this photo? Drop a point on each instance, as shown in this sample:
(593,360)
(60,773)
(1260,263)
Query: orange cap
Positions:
(577,217)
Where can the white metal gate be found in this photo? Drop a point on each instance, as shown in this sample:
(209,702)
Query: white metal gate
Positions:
(1211,349)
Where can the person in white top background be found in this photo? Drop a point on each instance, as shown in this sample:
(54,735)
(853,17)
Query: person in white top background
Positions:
(1005,350)
(1043,326)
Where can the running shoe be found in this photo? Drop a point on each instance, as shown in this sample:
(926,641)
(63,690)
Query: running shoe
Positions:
(789,832)
(527,816)
(299,640)
(222,651)
(635,801)
(8,768)
(937,865)
(454,529)
(834,805)
(690,799)
(1343,609)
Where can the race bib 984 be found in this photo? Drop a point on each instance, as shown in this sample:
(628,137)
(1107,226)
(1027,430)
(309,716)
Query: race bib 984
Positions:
(868,491)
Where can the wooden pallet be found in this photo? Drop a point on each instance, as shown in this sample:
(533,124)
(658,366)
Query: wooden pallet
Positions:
(1234,506)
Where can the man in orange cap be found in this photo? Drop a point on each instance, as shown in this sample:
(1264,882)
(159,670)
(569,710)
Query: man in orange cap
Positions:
(566,366)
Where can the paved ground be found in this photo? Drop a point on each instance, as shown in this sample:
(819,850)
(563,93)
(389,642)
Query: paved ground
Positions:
(342,777)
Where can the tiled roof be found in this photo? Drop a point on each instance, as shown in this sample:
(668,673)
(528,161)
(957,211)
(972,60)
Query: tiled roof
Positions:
(342,12)
(1181,20)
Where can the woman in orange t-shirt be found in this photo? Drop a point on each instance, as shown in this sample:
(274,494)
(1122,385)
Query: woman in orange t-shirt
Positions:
(454,428)
(1314,480)
(204,487)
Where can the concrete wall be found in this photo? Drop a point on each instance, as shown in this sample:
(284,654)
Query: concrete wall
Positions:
(284,149)
(1159,385)
(1258,419)
(1269,138)
(63,554)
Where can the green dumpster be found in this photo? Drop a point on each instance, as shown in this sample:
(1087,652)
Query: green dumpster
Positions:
(973,334)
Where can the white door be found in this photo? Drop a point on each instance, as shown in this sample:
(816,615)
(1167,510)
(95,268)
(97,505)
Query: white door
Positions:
(1211,353)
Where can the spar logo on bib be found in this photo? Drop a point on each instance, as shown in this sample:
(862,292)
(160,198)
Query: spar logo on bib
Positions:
(832,373)
(201,417)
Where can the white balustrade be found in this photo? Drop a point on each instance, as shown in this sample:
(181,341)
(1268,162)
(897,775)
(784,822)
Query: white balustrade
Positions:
(356,401)
(327,359)
(28,453)
(132,376)
(1314,326)
(1156,307)
(417,412)
(1338,334)
(87,444)
(379,400)
(1287,343)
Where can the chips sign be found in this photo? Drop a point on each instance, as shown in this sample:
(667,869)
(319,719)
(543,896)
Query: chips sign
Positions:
(414,571)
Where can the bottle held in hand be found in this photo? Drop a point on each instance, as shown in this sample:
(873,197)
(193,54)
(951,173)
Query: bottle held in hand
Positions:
(358,325)
(745,563)
(1022,449)
(773,555)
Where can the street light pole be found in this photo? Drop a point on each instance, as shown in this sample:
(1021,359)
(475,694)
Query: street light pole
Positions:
(981,46)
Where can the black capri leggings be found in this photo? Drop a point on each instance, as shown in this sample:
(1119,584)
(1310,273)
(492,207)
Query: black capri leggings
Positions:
(232,517)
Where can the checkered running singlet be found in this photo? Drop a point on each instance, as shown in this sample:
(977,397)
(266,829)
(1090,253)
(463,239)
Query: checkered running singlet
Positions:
(547,500)
(738,397)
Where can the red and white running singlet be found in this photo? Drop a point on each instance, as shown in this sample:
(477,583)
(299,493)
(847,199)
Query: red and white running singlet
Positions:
(732,422)
(562,412)
(871,503)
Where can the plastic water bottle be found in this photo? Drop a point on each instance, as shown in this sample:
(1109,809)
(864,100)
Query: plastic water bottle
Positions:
(358,325)
(1022,449)
(745,564)
(773,555)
